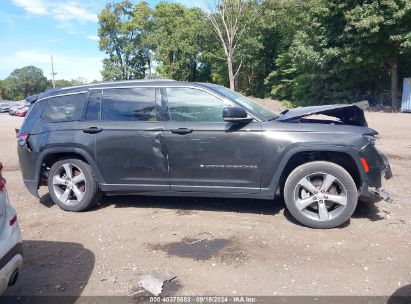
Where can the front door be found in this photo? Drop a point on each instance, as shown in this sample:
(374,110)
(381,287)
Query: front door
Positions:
(205,153)
(129,151)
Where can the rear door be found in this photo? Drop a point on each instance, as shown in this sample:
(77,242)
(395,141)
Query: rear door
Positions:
(127,128)
(206,153)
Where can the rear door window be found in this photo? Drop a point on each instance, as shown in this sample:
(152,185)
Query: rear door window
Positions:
(129,104)
(64,108)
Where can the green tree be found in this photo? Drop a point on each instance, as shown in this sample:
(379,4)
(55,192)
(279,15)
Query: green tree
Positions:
(121,34)
(61,83)
(306,62)
(170,37)
(1,89)
(308,52)
(269,35)
(343,50)
(179,35)
(379,33)
(24,82)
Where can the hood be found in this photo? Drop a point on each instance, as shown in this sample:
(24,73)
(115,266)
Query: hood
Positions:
(347,114)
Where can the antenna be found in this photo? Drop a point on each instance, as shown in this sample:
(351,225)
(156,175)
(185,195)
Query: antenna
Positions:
(52,72)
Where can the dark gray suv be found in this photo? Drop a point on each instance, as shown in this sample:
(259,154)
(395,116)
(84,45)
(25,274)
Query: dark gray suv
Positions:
(198,139)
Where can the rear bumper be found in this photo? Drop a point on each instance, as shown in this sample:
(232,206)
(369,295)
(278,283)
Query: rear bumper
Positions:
(32,187)
(9,265)
(28,161)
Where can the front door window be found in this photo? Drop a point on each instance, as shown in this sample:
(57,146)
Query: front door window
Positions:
(193,105)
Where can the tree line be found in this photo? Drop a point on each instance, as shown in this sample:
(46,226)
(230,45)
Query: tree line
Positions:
(306,52)
(28,81)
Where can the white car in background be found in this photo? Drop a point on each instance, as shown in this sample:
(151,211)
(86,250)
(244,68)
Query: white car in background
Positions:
(11,248)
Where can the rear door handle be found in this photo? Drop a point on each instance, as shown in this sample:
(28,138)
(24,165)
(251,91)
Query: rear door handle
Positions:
(92,130)
(181,131)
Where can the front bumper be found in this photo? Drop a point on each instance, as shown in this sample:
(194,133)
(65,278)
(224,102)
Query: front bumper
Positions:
(379,170)
(372,195)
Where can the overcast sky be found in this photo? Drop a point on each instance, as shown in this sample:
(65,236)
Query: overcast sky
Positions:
(32,30)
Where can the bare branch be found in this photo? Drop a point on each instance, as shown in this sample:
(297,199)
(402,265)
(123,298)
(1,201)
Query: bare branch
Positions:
(217,30)
(238,38)
(238,70)
(226,18)
(224,22)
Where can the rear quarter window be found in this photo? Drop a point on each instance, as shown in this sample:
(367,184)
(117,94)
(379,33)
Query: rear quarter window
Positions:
(32,117)
(64,108)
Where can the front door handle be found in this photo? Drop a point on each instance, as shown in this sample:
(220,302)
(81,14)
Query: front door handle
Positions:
(92,130)
(181,131)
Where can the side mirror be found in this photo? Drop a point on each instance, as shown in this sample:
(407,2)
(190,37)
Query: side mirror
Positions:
(235,114)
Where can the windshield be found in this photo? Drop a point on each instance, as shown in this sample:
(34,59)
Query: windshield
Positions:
(247,103)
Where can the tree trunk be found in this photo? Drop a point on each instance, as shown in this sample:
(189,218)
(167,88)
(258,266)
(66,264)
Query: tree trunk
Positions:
(171,62)
(230,72)
(394,83)
(193,69)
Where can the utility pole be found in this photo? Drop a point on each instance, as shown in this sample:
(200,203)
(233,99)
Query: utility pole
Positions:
(52,72)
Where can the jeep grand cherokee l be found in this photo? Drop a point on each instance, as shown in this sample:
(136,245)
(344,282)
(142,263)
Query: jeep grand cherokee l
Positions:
(198,139)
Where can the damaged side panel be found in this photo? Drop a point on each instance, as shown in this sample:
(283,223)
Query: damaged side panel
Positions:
(132,153)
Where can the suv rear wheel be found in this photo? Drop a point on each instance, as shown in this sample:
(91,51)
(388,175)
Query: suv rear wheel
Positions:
(320,194)
(72,185)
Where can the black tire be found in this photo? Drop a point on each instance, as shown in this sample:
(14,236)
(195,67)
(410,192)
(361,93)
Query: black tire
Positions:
(91,194)
(343,181)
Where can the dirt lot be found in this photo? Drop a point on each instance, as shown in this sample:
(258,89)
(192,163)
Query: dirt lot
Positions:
(257,248)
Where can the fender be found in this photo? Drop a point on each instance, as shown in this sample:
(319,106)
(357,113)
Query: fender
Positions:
(350,150)
(59,150)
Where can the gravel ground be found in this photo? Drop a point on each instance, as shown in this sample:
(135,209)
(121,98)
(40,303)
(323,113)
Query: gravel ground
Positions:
(257,249)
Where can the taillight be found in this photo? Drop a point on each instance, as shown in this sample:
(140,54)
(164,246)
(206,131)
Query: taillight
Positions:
(2,180)
(13,220)
(23,136)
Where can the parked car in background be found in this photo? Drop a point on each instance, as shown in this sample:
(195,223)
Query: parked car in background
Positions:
(14,109)
(4,107)
(11,249)
(15,103)
(22,112)
(196,139)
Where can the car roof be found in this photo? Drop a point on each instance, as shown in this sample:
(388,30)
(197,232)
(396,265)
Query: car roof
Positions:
(113,84)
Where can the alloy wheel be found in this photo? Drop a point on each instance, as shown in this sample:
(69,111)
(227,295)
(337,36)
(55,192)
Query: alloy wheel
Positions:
(69,184)
(320,196)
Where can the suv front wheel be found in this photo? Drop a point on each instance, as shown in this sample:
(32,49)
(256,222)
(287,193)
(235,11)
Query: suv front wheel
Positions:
(72,185)
(320,194)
